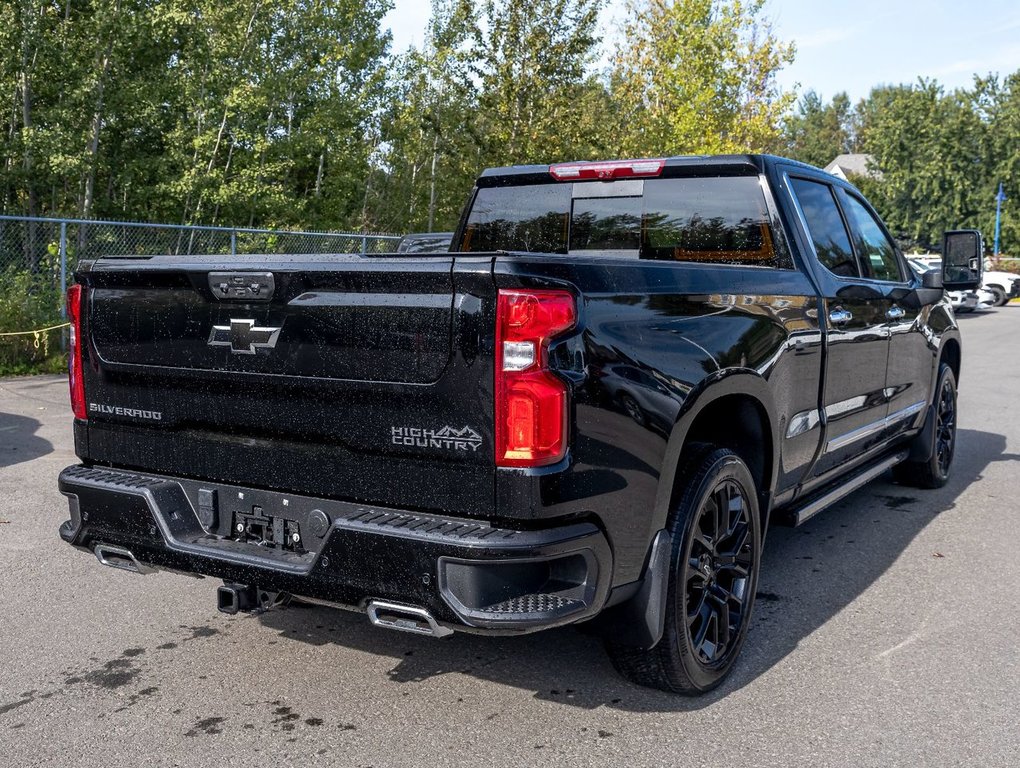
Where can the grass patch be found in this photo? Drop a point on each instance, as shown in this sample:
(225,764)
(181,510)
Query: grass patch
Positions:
(30,301)
(52,364)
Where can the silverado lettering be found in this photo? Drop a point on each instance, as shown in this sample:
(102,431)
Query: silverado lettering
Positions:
(657,359)
(117,410)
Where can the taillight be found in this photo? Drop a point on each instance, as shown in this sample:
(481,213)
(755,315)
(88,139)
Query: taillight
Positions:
(531,401)
(613,169)
(75,299)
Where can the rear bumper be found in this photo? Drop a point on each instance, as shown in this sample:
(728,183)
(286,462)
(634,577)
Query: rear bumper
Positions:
(468,574)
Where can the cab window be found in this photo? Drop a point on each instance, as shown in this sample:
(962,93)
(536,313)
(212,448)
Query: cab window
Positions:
(826,227)
(713,220)
(876,250)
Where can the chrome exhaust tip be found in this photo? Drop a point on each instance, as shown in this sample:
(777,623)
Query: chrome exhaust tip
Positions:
(121,559)
(405,618)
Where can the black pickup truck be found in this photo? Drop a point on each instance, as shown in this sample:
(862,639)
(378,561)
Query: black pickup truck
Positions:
(588,410)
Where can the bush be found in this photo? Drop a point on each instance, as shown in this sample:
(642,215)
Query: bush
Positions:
(29,302)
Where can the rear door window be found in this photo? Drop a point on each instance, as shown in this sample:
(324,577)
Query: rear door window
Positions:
(719,220)
(826,227)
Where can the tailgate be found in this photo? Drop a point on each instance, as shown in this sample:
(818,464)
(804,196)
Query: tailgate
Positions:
(360,377)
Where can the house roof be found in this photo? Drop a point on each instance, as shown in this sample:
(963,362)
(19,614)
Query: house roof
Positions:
(853,165)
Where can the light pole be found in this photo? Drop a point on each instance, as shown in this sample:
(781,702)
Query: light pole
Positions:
(999,198)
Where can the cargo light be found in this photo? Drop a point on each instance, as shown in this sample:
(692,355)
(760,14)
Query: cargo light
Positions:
(75,369)
(531,401)
(614,169)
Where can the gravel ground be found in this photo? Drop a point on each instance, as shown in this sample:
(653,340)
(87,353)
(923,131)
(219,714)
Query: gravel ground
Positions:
(886,633)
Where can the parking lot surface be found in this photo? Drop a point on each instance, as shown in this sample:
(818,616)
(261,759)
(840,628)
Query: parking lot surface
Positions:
(886,633)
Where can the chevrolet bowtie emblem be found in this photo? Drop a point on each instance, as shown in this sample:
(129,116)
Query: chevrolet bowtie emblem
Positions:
(243,337)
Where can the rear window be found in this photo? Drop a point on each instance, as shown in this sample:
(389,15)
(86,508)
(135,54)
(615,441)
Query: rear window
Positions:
(719,220)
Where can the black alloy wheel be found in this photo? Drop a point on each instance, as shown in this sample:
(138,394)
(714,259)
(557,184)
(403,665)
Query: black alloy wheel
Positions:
(716,571)
(937,441)
(715,530)
(945,429)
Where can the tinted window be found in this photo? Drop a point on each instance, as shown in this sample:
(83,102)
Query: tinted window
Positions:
(722,220)
(825,225)
(532,218)
(438,242)
(606,223)
(877,252)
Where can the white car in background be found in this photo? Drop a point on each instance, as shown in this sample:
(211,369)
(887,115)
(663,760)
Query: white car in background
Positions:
(962,301)
(1003,286)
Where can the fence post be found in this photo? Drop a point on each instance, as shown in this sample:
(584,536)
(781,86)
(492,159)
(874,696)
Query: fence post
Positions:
(233,242)
(63,268)
(364,245)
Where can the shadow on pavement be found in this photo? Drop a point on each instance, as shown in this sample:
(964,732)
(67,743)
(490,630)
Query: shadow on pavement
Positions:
(18,441)
(809,574)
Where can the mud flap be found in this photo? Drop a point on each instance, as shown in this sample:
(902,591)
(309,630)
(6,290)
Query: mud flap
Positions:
(640,621)
(922,446)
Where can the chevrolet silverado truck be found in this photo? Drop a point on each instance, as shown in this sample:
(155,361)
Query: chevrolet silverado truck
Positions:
(588,410)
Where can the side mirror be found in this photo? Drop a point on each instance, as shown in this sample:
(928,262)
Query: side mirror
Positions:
(929,292)
(962,260)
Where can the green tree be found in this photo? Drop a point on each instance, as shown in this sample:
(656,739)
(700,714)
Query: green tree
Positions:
(431,144)
(242,111)
(998,104)
(496,83)
(817,132)
(693,76)
(276,101)
(931,151)
(538,99)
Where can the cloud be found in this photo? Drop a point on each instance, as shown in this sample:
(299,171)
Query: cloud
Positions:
(820,38)
(963,66)
(1003,60)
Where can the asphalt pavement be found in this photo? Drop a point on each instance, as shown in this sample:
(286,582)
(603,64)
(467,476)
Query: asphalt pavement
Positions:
(886,633)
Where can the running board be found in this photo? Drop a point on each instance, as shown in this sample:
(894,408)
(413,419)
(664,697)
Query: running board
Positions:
(846,486)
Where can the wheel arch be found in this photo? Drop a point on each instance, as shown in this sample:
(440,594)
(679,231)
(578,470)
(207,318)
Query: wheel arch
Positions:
(736,412)
(951,354)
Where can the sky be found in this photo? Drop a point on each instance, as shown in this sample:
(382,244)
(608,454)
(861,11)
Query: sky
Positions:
(851,46)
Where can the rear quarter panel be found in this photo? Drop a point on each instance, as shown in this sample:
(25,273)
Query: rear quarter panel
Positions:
(655,342)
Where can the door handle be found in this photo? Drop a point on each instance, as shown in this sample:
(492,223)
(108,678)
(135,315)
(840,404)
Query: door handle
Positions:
(895,313)
(840,316)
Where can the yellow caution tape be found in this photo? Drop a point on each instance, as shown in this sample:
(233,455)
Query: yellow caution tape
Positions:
(41,338)
(29,333)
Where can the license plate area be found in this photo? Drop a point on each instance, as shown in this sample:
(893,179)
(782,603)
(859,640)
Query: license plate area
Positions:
(273,531)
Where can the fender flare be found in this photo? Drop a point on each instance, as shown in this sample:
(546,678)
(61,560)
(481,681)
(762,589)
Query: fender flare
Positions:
(640,620)
(713,388)
(950,334)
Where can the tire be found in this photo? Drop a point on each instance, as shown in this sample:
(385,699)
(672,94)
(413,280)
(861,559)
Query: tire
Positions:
(934,473)
(1001,299)
(714,574)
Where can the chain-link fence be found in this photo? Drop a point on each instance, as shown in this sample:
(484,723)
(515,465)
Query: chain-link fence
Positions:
(38,256)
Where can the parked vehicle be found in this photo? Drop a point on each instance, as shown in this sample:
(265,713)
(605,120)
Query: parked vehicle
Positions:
(962,302)
(590,411)
(425,242)
(986,299)
(1002,286)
